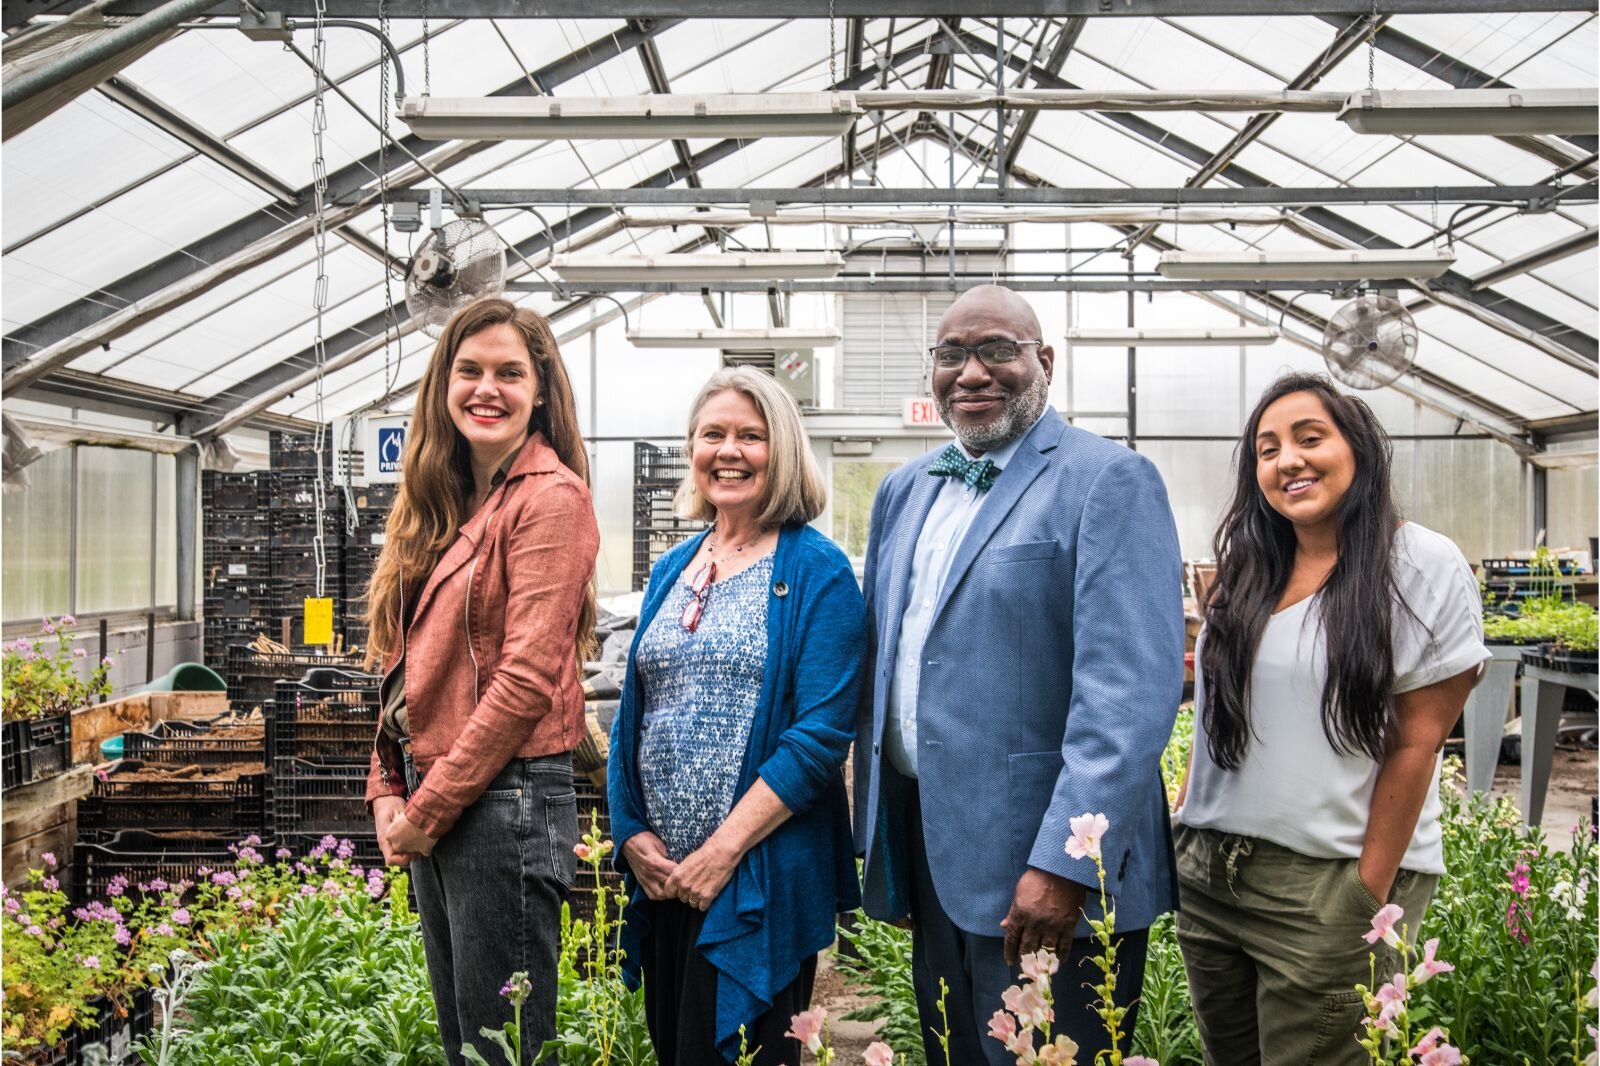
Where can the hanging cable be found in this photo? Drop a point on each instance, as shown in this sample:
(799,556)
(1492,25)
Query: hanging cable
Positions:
(319,296)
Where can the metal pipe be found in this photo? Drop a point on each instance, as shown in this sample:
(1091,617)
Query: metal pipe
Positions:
(939,283)
(187,491)
(1521,195)
(107,46)
(349,24)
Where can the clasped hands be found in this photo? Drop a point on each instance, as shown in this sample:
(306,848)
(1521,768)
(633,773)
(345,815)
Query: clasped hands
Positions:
(696,880)
(399,840)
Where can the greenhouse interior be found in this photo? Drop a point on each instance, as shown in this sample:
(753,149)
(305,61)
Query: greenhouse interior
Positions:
(243,247)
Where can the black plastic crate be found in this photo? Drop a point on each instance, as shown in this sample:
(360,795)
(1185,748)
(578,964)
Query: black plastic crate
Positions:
(240,600)
(300,564)
(379,498)
(253,676)
(313,798)
(328,717)
(115,1030)
(298,451)
(1524,567)
(298,530)
(231,492)
(658,463)
(235,564)
(297,492)
(650,545)
(197,803)
(288,623)
(139,855)
(195,743)
(234,528)
(35,749)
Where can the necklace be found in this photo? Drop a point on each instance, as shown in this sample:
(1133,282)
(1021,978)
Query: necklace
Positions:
(711,544)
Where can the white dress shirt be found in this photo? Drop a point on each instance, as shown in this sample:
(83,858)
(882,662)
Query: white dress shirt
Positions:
(953,511)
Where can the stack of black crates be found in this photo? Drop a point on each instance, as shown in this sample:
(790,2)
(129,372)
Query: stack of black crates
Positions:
(1507,582)
(363,542)
(320,742)
(657,470)
(235,560)
(292,510)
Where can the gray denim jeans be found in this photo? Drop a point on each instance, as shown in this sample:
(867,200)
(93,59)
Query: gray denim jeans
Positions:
(490,897)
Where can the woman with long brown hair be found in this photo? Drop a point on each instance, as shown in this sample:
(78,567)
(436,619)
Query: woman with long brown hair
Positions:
(481,611)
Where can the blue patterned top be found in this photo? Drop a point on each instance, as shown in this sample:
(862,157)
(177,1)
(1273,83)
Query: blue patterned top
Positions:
(700,693)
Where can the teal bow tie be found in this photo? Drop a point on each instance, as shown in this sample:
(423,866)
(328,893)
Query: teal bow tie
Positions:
(977,474)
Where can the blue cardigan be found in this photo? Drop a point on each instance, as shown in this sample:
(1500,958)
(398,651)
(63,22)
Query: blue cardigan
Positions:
(780,904)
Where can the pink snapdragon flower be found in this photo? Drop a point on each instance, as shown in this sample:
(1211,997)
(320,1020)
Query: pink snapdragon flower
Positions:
(1003,1027)
(1029,1005)
(807,1026)
(1061,1051)
(1429,967)
(878,1054)
(1392,996)
(1039,965)
(1087,832)
(1519,879)
(1383,925)
(1139,1060)
(583,851)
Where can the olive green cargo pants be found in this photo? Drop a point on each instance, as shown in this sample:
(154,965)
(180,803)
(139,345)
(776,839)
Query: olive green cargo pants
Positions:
(1272,942)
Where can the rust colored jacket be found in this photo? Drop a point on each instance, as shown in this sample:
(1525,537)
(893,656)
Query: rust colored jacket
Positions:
(490,650)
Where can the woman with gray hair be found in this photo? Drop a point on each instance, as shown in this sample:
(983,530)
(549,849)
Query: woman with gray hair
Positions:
(726,784)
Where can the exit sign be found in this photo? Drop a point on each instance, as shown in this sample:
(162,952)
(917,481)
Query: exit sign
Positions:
(920,412)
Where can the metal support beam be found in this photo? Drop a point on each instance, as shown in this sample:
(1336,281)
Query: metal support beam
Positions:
(1253,194)
(17,11)
(1344,42)
(854,47)
(1581,241)
(105,47)
(941,282)
(655,73)
(1065,42)
(187,490)
(152,281)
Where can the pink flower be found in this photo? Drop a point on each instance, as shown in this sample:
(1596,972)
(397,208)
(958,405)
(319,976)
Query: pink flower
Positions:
(583,851)
(308,890)
(181,916)
(79,653)
(1039,965)
(1029,1005)
(49,859)
(1429,1040)
(1514,915)
(1061,1051)
(1519,879)
(807,1027)
(1003,1027)
(91,962)
(1139,1060)
(1087,832)
(878,1054)
(1429,967)
(69,620)
(1383,925)
(1443,1055)
(1392,996)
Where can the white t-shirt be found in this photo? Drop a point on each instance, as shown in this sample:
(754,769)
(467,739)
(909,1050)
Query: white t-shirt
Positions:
(1293,788)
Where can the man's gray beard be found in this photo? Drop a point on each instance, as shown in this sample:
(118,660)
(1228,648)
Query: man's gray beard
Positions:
(1021,411)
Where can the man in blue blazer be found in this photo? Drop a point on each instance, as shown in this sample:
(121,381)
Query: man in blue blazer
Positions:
(1025,595)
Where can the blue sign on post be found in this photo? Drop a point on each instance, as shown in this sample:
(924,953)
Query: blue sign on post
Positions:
(391,447)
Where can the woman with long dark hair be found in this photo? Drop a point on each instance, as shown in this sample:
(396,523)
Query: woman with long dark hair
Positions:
(481,610)
(1339,647)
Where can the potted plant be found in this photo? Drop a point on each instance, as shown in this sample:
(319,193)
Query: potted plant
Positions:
(40,684)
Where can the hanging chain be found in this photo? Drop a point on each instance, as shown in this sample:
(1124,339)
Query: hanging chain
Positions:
(427,59)
(833,49)
(319,297)
(1372,49)
(391,327)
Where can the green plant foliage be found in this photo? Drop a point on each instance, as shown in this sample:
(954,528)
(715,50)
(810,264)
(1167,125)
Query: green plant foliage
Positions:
(337,982)
(1518,919)
(40,678)
(1175,757)
(881,968)
(1166,1029)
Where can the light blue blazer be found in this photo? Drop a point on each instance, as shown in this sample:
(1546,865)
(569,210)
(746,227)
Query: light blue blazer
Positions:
(1051,677)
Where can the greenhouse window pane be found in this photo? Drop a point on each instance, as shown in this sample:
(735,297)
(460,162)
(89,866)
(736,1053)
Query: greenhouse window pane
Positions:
(37,523)
(166,545)
(115,500)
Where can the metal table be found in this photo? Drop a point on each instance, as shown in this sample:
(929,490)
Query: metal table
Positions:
(1484,718)
(1543,692)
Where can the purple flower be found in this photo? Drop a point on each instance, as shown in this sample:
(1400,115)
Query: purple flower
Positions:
(181,916)
(34,930)
(158,884)
(79,653)
(108,662)
(69,620)
(49,859)
(517,988)
(330,887)
(49,628)
(23,644)
(346,849)
(235,892)
(122,936)
(50,884)
(165,930)
(1519,879)
(247,904)
(11,905)
(226,877)
(282,853)
(90,961)
(308,890)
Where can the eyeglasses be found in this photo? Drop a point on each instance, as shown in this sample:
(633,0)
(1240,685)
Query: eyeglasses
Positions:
(700,592)
(995,353)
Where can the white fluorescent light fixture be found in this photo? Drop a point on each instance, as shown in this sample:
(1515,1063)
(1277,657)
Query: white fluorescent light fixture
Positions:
(1316,264)
(664,115)
(1487,112)
(783,338)
(696,266)
(1224,336)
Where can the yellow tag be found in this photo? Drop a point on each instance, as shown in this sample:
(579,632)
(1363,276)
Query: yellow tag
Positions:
(319,621)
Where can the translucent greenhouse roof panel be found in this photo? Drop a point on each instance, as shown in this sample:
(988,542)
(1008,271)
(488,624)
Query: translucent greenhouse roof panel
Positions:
(1531,50)
(696,54)
(1207,53)
(1488,346)
(1534,292)
(1504,390)
(150,221)
(59,167)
